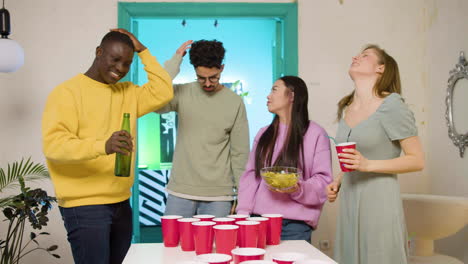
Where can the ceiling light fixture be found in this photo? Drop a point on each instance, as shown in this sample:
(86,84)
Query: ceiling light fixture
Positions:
(11,53)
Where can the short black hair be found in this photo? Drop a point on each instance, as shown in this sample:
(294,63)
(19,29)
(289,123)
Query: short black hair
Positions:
(114,36)
(207,53)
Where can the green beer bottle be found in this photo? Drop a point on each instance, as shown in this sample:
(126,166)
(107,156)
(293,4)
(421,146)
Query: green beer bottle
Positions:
(123,163)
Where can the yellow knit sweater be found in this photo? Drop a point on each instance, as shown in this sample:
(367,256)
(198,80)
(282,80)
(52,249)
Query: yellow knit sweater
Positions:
(80,115)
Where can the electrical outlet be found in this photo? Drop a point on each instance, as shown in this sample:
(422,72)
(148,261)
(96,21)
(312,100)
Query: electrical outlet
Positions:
(324,244)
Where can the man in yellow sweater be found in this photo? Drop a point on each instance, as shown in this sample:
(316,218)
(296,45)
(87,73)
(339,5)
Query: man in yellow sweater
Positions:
(80,130)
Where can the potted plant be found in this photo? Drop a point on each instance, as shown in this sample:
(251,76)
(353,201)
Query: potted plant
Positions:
(29,205)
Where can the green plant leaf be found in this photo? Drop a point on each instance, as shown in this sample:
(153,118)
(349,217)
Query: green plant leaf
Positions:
(52,248)
(5,201)
(8,212)
(29,204)
(24,170)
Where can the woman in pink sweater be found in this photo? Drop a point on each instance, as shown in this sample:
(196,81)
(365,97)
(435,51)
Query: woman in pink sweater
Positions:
(294,141)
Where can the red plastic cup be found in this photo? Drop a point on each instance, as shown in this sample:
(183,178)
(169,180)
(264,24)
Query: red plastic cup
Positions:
(244,254)
(224,220)
(191,262)
(186,233)
(262,230)
(258,262)
(225,238)
(311,261)
(203,236)
(287,257)
(275,224)
(204,217)
(170,230)
(339,149)
(248,233)
(214,258)
(238,217)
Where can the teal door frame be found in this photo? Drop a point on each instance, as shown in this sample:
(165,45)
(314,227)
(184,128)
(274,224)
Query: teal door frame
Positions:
(286,56)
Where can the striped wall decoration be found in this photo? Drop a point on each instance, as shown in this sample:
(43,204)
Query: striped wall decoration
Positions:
(153,195)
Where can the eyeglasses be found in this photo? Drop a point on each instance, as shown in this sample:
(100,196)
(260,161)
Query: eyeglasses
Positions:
(213,79)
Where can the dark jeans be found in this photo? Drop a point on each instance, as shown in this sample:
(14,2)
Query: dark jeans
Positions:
(295,230)
(99,234)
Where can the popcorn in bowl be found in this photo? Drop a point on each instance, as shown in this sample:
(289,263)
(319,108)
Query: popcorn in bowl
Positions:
(279,177)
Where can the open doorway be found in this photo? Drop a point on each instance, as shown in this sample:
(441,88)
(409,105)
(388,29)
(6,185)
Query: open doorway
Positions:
(261,45)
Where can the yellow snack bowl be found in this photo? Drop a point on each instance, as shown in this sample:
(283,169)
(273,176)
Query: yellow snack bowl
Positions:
(279,177)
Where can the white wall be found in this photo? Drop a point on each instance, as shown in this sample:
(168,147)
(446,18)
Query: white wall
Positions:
(446,37)
(424,36)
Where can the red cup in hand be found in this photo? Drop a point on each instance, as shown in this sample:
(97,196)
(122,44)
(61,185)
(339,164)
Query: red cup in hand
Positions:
(339,149)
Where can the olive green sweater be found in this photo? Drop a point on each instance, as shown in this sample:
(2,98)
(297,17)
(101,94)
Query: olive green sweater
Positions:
(212,143)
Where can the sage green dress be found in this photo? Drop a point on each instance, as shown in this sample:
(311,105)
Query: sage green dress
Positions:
(371,226)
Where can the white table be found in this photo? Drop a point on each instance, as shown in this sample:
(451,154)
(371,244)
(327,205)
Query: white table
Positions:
(153,253)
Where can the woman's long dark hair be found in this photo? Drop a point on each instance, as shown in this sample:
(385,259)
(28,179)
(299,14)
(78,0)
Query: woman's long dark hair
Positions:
(291,154)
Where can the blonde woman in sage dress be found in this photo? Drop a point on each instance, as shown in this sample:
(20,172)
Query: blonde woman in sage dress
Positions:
(371,226)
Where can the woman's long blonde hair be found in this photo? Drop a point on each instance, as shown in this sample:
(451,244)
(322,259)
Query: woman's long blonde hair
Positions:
(389,81)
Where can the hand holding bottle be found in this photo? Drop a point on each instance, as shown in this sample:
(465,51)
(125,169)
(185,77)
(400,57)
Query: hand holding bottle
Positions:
(119,142)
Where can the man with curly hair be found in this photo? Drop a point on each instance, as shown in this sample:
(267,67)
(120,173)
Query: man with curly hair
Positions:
(212,138)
